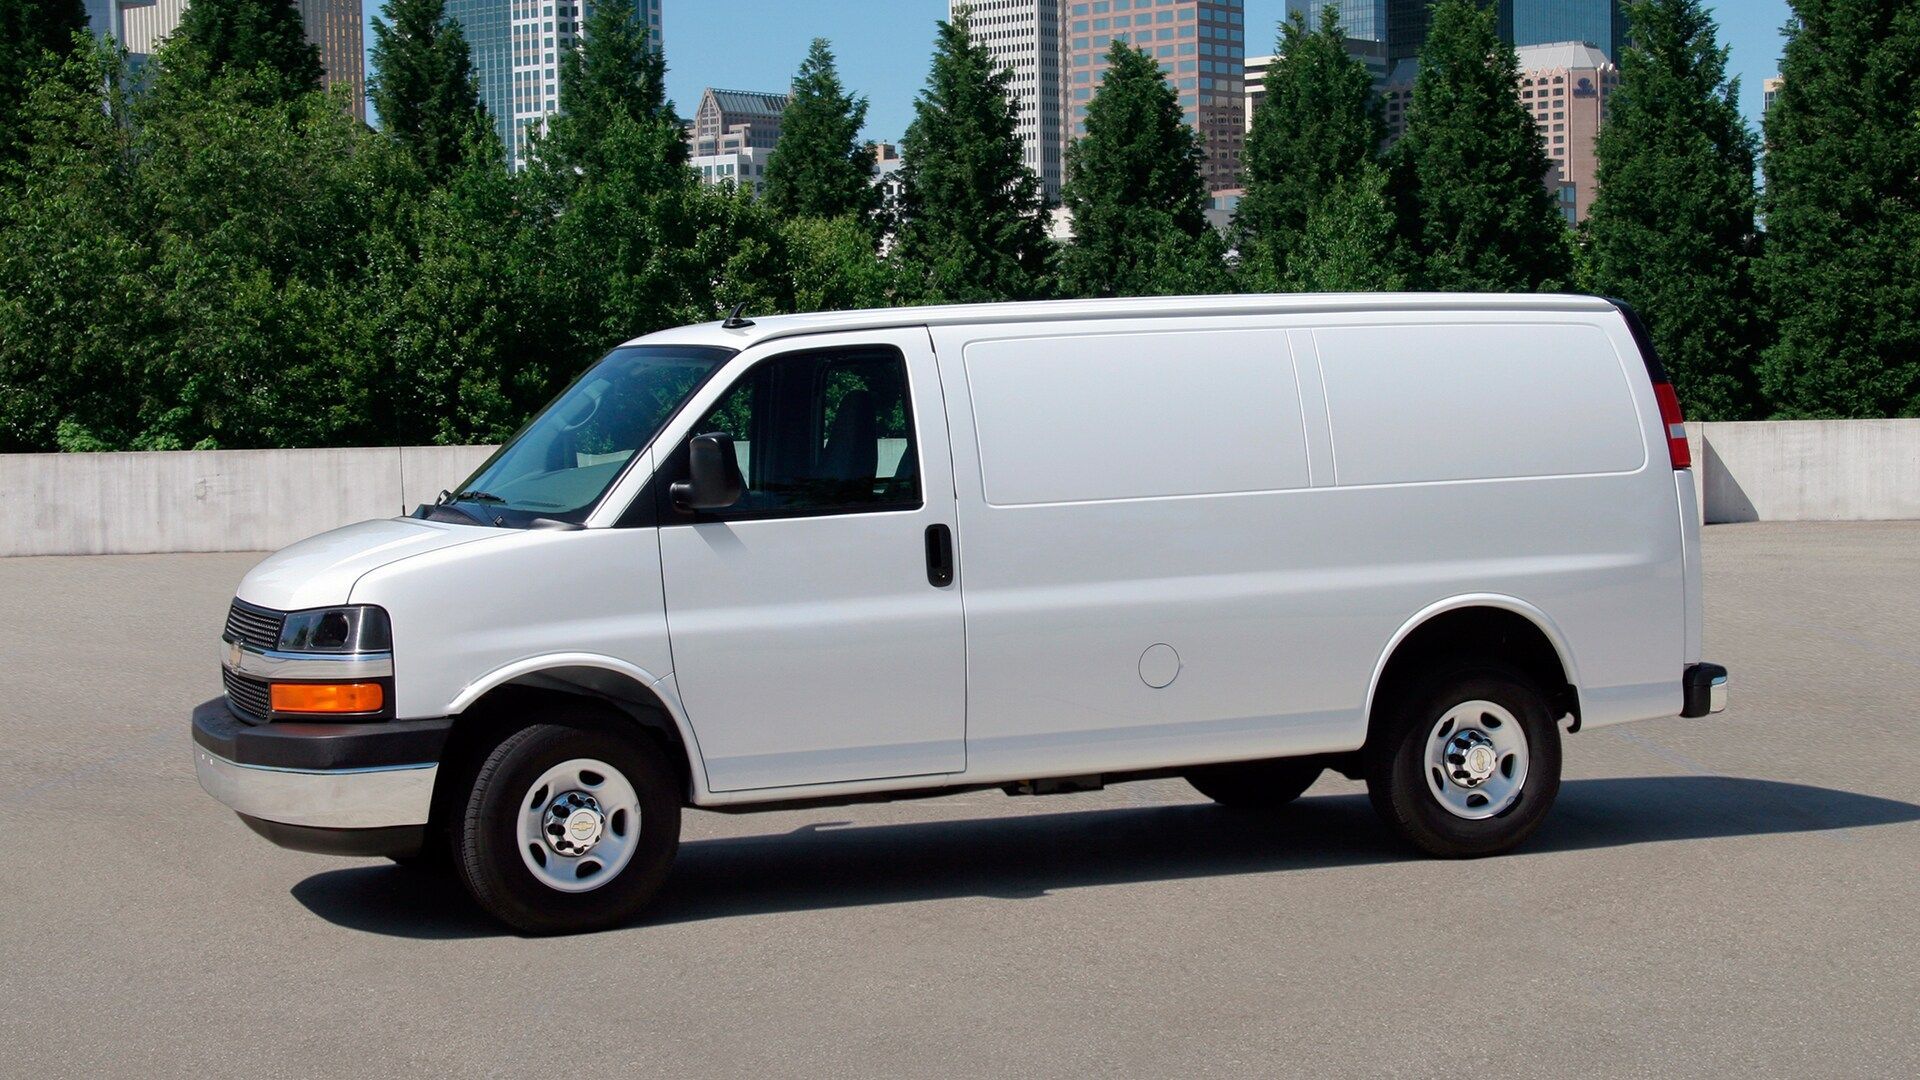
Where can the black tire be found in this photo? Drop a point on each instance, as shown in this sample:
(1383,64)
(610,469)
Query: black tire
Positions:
(487,833)
(1256,785)
(1397,768)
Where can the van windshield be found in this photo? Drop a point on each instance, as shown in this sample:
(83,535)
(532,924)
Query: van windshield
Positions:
(568,455)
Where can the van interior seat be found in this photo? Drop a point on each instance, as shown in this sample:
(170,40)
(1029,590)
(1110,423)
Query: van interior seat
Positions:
(853,443)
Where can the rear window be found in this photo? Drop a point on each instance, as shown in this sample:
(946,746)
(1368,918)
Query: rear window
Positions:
(1469,402)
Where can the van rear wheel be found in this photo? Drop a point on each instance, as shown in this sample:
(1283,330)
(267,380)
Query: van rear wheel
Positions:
(1256,785)
(1467,765)
(568,828)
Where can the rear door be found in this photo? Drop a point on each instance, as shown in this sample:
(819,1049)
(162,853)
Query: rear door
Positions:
(810,643)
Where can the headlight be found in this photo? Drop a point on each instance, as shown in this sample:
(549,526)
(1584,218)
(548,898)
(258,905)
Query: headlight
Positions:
(336,630)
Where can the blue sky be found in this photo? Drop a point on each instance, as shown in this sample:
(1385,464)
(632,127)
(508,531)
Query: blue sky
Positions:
(883,46)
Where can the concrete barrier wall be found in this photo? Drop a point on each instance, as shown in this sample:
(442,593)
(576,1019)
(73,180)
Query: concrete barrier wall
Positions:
(212,500)
(259,500)
(1807,470)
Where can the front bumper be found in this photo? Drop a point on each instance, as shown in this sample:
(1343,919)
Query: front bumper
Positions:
(345,789)
(1706,690)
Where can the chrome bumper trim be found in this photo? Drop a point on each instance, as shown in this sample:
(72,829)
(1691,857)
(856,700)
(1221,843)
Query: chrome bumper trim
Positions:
(321,798)
(267,664)
(1717,695)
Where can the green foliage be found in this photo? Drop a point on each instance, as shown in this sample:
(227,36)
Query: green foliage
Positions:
(1134,187)
(1350,242)
(29,28)
(226,259)
(1671,230)
(258,206)
(29,31)
(1842,205)
(75,306)
(217,37)
(629,241)
(1318,126)
(423,87)
(821,168)
(969,216)
(833,264)
(1471,166)
(446,328)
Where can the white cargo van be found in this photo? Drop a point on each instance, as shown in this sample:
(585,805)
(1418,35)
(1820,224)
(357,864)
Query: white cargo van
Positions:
(1042,547)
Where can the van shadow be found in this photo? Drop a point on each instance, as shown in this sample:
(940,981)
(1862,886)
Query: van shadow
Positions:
(837,864)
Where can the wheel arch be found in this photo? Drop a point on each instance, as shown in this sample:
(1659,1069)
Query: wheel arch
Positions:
(634,693)
(1467,624)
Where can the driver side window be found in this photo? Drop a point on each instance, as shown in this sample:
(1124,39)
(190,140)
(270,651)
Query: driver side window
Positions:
(825,431)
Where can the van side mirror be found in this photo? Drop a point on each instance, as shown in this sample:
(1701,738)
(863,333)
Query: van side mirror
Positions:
(713,475)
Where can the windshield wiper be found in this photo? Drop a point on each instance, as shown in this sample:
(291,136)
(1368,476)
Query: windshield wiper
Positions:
(451,501)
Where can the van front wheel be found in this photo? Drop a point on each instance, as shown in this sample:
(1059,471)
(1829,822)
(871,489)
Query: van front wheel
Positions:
(1468,765)
(1256,785)
(569,828)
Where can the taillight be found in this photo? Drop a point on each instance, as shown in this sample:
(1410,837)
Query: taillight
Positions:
(1676,425)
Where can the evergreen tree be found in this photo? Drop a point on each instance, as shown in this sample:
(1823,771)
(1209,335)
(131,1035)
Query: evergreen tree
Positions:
(1318,124)
(1671,229)
(221,36)
(29,30)
(1842,205)
(629,240)
(1350,240)
(969,215)
(1472,168)
(616,76)
(821,168)
(423,86)
(1134,187)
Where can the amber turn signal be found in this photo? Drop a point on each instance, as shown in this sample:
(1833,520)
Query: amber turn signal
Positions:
(362,697)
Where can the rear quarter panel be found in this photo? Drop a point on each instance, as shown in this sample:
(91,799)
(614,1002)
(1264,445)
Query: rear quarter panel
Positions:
(1283,602)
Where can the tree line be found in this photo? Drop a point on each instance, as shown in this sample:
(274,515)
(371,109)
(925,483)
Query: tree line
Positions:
(210,251)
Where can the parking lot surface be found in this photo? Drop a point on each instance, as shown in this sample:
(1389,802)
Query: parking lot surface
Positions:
(1738,895)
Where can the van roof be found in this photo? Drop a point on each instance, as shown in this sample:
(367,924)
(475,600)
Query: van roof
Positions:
(768,327)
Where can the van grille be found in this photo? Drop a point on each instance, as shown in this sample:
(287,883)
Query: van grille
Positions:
(248,697)
(254,626)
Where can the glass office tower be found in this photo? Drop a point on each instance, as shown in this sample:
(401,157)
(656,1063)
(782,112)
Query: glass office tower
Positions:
(1365,20)
(517,45)
(1202,49)
(1600,23)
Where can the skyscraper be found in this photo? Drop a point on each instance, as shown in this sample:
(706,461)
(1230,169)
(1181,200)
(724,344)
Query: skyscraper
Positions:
(733,133)
(516,46)
(1566,87)
(1024,35)
(1202,49)
(1599,23)
(1365,20)
(333,26)
(103,18)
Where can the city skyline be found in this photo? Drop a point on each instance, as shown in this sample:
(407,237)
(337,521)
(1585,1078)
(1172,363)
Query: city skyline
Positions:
(760,43)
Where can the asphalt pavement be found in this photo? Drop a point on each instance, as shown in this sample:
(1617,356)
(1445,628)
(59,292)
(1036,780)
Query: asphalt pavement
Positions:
(1737,895)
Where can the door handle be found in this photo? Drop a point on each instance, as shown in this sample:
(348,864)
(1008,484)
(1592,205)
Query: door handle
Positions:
(939,556)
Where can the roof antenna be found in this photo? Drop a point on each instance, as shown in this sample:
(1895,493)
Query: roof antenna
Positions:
(734,321)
